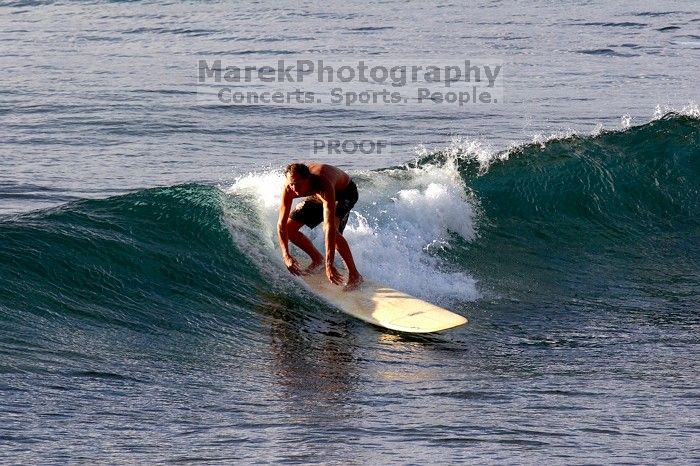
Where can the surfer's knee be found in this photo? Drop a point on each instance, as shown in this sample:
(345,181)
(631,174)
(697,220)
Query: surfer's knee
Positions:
(293,226)
(338,229)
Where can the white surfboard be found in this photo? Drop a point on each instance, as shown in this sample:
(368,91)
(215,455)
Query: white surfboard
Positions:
(384,306)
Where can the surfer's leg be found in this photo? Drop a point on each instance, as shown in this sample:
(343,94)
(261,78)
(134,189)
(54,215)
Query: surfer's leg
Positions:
(309,213)
(341,245)
(304,243)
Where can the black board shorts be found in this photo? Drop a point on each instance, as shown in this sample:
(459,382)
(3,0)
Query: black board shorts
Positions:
(310,212)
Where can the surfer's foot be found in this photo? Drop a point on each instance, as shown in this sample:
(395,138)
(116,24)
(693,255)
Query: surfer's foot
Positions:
(354,281)
(313,268)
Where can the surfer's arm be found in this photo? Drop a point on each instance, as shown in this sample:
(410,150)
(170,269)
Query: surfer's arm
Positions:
(329,224)
(282,236)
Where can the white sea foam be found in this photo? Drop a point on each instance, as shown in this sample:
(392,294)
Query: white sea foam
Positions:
(691,109)
(400,231)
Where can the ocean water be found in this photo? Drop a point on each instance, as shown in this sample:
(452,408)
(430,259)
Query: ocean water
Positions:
(146,317)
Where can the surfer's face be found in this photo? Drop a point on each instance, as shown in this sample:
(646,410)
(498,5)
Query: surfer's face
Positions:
(300,186)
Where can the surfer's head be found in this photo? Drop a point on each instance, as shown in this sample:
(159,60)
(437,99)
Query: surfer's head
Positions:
(298,178)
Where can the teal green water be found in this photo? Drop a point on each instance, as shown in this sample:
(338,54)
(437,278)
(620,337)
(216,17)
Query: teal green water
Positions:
(616,213)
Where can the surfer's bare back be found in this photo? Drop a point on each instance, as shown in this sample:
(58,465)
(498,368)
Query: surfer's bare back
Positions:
(330,194)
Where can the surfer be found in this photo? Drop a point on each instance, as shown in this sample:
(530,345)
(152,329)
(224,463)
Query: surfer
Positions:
(330,194)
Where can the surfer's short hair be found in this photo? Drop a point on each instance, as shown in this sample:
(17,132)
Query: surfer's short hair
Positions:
(298,169)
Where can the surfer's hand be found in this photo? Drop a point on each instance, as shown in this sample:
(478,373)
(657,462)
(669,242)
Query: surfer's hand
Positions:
(292,265)
(333,275)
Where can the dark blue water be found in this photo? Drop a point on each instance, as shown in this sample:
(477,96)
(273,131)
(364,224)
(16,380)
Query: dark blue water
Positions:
(145,316)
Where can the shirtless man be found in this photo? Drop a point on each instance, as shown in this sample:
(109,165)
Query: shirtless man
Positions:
(330,194)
